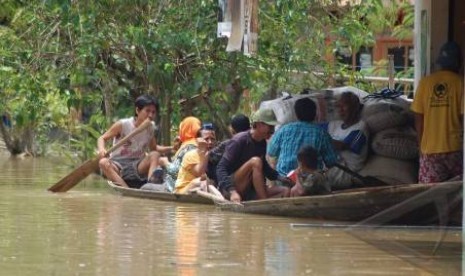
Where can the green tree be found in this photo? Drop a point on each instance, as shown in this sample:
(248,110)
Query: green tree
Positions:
(90,59)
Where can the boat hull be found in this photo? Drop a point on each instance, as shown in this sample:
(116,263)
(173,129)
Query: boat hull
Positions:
(412,204)
(405,204)
(163,196)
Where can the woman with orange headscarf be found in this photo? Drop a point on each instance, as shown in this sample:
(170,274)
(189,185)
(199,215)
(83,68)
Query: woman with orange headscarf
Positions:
(188,129)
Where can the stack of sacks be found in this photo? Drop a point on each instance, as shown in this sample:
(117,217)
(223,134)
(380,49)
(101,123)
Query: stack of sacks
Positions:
(380,113)
(393,141)
(325,101)
(391,170)
(397,142)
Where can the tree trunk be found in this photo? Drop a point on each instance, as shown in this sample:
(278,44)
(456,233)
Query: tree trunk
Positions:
(13,144)
(165,122)
(107,106)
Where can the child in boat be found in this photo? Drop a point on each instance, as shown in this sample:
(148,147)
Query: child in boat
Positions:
(308,179)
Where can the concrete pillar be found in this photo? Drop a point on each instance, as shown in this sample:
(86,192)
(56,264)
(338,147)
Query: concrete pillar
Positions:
(422,39)
(430,33)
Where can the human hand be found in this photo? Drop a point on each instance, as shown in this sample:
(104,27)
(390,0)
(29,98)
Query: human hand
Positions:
(102,153)
(286,180)
(297,190)
(202,145)
(176,143)
(204,186)
(235,197)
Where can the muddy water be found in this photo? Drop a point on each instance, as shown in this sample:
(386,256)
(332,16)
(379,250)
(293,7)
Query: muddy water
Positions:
(92,231)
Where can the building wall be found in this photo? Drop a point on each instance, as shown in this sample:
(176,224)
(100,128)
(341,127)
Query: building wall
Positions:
(386,45)
(459,23)
(439,28)
(445,21)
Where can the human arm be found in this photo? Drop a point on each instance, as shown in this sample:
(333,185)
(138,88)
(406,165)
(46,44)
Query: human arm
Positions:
(329,154)
(200,166)
(114,131)
(336,145)
(339,145)
(161,149)
(271,161)
(164,149)
(296,188)
(224,167)
(268,171)
(272,174)
(222,174)
(418,106)
(274,148)
(356,140)
(225,182)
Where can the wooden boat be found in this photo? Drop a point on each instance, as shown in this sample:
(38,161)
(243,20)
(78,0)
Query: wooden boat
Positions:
(401,204)
(157,195)
(404,204)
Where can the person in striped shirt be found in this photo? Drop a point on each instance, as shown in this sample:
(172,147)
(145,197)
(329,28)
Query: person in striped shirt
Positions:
(350,138)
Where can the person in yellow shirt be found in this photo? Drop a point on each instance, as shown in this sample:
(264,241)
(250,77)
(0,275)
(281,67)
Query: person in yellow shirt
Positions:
(188,130)
(438,108)
(194,164)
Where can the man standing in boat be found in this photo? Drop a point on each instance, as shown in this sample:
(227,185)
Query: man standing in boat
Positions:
(243,167)
(130,165)
(438,107)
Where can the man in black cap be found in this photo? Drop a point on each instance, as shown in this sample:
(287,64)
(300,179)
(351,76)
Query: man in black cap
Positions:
(438,108)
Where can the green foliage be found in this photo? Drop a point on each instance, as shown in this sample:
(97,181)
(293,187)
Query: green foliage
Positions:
(92,58)
(405,28)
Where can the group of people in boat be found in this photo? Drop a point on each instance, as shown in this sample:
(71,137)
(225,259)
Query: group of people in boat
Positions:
(296,160)
(300,158)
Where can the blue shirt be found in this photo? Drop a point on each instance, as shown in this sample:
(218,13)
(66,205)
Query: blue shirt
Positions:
(291,137)
(355,137)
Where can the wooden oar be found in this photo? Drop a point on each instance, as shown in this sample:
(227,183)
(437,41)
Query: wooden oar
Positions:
(367,181)
(69,181)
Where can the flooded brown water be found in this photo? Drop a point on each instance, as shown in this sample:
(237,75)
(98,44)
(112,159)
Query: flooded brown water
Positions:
(92,231)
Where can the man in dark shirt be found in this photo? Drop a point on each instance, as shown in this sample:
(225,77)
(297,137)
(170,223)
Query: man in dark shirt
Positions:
(242,170)
(239,123)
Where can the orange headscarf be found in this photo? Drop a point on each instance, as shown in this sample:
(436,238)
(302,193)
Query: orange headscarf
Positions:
(188,129)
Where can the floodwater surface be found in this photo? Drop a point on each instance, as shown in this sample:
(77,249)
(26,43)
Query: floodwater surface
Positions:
(92,231)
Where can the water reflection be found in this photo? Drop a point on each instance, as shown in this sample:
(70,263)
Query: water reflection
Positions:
(91,231)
